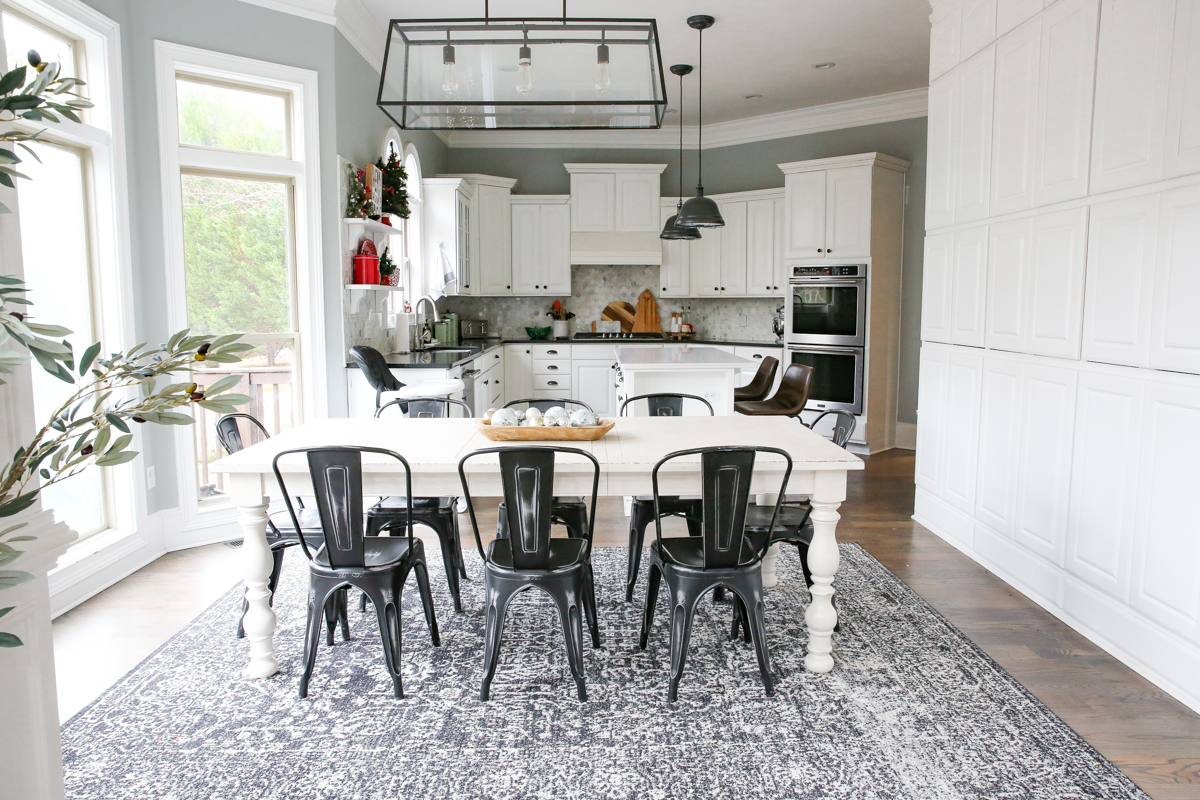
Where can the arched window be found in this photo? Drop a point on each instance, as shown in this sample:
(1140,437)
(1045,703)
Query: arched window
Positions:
(412,226)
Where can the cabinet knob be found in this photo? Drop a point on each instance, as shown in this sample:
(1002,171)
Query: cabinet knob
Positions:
(716,289)
(507,287)
(767,288)
(552,383)
(819,250)
(552,352)
(830,250)
(526,351)
(664,288)
(497,356)
(722,288)
(552,367)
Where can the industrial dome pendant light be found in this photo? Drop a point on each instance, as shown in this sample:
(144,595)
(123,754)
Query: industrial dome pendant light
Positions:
(700,211)
(673,230)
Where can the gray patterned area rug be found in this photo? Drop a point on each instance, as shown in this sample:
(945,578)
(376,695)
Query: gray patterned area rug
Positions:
(912,710)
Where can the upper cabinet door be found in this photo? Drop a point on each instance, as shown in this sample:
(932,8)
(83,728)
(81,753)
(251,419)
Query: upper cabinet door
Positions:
(733,249)
(705,259)
(1014,124)
(848,212)
(937,288)
(944,40)
(1064,129)
(945,99)
(1010,247)
(593,201)
(555,248)
(1011,13)
(637,199)
(494,253)
(978,28)
(1182,153)
(806,214)
(977,78)
(1055,320)
(761,273)
(674,271)
(1120,281)
(526,258)
(1175,340)
(1133,71)
(970,286)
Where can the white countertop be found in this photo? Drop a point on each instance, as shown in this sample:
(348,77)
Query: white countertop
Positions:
(680,358)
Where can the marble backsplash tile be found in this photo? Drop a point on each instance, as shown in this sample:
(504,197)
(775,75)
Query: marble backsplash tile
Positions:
(594,287)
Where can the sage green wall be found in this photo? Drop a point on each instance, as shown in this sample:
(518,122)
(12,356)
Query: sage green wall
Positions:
(752,166)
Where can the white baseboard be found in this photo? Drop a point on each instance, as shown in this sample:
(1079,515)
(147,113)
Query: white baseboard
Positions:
(906,435)
(1162,657)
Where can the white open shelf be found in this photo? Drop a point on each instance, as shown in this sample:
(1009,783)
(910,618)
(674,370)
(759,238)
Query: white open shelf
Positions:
(372,226)
(370,287)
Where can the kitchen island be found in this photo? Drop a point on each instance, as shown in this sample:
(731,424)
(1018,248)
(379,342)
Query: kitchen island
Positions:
(706,372)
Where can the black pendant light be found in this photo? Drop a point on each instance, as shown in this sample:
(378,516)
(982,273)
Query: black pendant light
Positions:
(673,230)
(700,211)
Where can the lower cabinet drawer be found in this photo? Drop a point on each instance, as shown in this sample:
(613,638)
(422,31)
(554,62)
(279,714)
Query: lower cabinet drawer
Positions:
(556,383)
(560,366)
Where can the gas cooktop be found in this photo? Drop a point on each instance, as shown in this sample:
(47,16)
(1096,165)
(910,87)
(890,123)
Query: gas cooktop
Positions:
(642,335)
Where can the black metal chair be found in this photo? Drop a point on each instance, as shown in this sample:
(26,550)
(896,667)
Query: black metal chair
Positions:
(843,426)
(437,513)
(641,512)
(374,367)
(727,554)
(376,565)
(280,533)
(760,386)
(531,558)
(568,511)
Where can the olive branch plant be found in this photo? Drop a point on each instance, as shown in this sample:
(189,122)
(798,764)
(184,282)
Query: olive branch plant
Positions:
(91,427)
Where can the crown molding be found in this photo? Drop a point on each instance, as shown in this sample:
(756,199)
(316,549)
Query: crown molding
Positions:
(318,10)
(362,30)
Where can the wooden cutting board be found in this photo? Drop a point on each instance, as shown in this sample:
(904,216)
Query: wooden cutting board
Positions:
(621,312)
(646,319)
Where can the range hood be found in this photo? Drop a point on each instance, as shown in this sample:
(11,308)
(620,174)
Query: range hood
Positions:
(616,214)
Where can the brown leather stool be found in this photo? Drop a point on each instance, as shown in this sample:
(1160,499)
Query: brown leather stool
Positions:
(760,387)
(789,401)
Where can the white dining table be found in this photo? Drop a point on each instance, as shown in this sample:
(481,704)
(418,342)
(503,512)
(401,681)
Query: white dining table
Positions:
(627,454)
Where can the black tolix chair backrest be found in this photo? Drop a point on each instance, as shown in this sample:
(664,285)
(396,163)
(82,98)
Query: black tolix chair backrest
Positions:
(545,405)
(527,474)
(336,475)
(426,407)
(725,477)
(843,426)
(666,404)
(233,430)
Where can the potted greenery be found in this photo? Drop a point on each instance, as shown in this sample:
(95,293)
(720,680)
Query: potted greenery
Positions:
(395,183)
(388,275)
(560,315)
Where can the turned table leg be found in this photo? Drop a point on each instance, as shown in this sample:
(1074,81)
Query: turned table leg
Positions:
(259,622)
(823,559)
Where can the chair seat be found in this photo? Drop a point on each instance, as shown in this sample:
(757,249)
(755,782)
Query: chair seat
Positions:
(399,504)
(764,408)
(563,553)
(564,501)
(310,523)
(745,393)
(431,388)
(689,551)
(649,498)
(378,552)
(791,518)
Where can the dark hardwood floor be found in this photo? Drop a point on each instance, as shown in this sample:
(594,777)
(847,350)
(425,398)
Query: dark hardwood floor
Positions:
(1152,737)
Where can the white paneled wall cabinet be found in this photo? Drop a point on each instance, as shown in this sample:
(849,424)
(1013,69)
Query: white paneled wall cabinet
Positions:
(541,245)
(490,235)
(1059,397)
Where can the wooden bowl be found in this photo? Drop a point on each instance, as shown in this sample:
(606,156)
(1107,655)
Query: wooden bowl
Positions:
(528,433)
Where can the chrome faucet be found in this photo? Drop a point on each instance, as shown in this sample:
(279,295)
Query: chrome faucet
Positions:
(426,335)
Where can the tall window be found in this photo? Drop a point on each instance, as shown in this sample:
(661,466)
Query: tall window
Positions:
(412,226)
(68,240)
(239,141)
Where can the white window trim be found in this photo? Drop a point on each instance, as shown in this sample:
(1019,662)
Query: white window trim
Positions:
(104,138)
(417,277)
(301,85)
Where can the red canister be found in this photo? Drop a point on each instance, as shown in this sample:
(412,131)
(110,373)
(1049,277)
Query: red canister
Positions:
(366,269)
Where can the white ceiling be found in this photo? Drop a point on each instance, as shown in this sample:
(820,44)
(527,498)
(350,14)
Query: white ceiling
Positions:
(765,47)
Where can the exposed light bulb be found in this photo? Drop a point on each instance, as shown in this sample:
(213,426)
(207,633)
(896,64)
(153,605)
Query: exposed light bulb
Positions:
(449,71)
(525,71)
(603,76)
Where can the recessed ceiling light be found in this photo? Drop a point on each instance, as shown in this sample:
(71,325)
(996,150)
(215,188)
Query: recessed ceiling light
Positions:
(824,65)
(752,97)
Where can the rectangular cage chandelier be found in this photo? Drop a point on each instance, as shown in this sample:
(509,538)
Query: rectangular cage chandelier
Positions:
(523,74)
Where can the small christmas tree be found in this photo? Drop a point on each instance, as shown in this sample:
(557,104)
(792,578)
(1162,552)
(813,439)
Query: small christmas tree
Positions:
(358,196)
(386,268)
(395,181)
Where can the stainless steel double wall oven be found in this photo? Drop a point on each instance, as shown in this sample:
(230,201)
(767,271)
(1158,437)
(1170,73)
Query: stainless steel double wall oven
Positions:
(826,328)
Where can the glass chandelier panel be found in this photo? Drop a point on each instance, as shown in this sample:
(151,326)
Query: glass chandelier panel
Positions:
(513,74)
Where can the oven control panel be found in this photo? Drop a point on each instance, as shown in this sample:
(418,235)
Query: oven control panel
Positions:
(841,271)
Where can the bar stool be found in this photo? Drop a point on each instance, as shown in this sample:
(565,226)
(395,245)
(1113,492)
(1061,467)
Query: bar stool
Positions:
(760,387)
(788,401)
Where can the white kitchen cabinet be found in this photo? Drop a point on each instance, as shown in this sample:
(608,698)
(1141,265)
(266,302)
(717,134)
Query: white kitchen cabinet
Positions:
(1175,336)
(1064,130)
(931,424)
(733,249)
(970,287)
(945,99)
(848,212)
(1165,580)
(1047,433)
(675,272)
(448,232)
(978,26)
(1010,251)
(1182,150)
(595,382)
(762,262)
(974,149)
(999,444)
(518,372)
(1014,121)
(1102,511)
(490,234)
(1055,304)
(937,287)
(1132,75)
(705,260)
(615,197)
(541,245)
(964,374)
(1011,13)
(944,37)
(1122,235)
(805,209)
